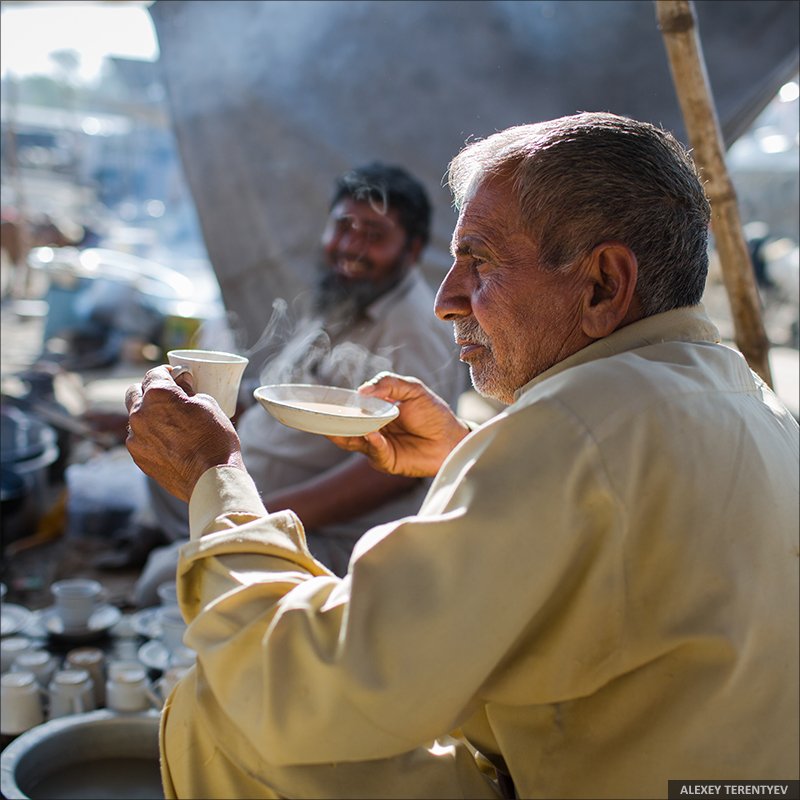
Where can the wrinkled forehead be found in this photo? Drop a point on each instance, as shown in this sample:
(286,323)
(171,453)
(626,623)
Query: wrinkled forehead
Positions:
(490,211)
(489,190)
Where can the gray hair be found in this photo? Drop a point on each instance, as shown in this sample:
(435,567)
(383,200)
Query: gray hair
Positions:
(594,177)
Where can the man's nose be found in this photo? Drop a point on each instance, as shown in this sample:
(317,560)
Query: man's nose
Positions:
(353,239)
(452,299)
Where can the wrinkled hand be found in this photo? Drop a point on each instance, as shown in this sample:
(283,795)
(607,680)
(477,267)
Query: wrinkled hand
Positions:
(174,436)
(418,440)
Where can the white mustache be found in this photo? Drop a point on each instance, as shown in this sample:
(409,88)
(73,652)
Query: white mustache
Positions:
(469,330)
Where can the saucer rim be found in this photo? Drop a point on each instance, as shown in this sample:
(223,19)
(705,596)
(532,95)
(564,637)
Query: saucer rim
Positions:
(50,614)
(146,653)
(143,654)
(151,631)
(24,619)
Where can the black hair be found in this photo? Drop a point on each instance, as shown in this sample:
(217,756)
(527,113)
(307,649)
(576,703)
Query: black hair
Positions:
(387,186)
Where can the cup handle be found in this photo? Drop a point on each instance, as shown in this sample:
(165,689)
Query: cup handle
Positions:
(177,372)
(154,699)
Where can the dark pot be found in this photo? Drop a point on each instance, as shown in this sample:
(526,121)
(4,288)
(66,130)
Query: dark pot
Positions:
(27,450)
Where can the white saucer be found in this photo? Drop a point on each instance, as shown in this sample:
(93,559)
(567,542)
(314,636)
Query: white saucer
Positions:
(145,622)
(327,410)
(101,621)
(155,655)
(13,618)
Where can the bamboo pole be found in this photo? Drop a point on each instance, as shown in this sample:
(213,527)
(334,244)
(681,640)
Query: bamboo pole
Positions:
(678,25)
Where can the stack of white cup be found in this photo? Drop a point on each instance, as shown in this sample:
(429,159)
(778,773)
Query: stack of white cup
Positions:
(42,664)
(20,703)
(71,691)
(10,648)
(93,660)
(128,689)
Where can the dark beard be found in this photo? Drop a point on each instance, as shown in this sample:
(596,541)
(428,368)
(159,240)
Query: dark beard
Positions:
(345,299)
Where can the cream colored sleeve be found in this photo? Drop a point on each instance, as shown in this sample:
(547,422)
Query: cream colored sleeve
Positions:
(316,669)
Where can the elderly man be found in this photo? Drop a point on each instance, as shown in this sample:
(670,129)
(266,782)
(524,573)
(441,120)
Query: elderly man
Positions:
(371,311)
(598,593)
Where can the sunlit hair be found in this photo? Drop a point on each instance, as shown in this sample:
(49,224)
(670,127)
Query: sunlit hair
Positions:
(595,177)
(387,186)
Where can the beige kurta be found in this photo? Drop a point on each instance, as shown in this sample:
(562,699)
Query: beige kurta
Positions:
(600,588)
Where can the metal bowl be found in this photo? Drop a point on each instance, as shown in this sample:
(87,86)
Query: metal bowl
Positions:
(101,754)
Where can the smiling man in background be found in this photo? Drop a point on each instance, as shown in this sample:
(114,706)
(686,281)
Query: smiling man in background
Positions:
(371,311)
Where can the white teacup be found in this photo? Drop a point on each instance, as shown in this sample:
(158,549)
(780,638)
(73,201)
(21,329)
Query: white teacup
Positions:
(171,626)
(10,648)
(71,692)
(127,689)
(41,663)
(167,593)
(93,660)
(213,372)
(20,703)
(76,600)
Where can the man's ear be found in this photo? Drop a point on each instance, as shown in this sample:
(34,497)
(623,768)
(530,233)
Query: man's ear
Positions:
(609,300)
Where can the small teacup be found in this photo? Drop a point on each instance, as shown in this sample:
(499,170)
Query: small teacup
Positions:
(127,689)
(76,600)
(10,648)
(121,665)
(213,372)
(71,692)
(93,660)
(39,662)
(172,627)
(20,703)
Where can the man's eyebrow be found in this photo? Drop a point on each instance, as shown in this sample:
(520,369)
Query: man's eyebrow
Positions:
(466,246)
(378,224)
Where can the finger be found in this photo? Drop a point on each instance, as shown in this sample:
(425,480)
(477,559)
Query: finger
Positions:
(389,386)
(157,376)
(377,449)
(353,444)
(375,445)
(373,384)
(133,396)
